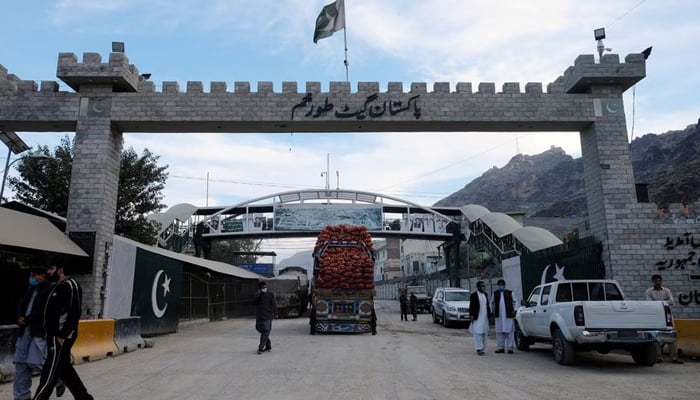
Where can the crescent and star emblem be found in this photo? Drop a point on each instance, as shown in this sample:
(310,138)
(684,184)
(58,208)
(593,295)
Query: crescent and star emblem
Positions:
(612,107)
(159,312)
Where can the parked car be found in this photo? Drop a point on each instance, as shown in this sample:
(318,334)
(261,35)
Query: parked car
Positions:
(450,306)
(582,315)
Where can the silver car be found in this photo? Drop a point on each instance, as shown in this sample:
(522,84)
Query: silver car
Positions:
(451,305)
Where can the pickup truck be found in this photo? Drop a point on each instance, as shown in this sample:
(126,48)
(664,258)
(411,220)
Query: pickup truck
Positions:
(580,315)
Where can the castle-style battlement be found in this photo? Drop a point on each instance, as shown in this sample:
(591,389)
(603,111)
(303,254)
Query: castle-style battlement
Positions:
(124,77)
(610,71)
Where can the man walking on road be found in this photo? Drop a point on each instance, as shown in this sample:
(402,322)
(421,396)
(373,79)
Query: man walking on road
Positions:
(413,301)
(61,317)
(660,293)
(504,306)
(403,302)
(30,349)
(266,311)
(479,311)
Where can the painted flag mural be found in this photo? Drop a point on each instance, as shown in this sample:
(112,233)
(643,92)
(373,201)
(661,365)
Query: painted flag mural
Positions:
(330,20)
(157,290)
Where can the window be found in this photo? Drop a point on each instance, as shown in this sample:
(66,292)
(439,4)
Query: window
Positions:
(545,295)
(595,290)
(457,296)
(580,291)
(612,292)
(564,293)
(534,298)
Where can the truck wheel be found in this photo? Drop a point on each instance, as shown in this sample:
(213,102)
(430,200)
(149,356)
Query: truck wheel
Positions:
(446,322)
(435,318)
(521,341)
(644,355)
(562,349)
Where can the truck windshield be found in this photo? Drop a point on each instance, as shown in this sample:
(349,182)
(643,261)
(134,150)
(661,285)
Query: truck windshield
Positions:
(457,296)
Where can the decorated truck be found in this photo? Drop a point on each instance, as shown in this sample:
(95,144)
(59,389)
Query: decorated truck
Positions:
(342,295)
(291,289)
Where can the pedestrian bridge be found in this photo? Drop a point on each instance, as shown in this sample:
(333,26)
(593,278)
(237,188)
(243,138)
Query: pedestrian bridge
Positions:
(304,213)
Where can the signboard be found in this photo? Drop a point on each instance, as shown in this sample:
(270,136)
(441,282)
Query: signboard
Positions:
(264,269)
(157,290)
(311,217)
(86,241)
(232,225)
(421,223)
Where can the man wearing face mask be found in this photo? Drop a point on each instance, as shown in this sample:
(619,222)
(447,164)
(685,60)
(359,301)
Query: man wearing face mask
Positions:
(30,349)
(504,306)
(266,311)
(480,312)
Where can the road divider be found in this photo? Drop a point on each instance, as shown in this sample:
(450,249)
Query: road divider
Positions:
(688,340)
(95,341)
(127,334)
(8,338)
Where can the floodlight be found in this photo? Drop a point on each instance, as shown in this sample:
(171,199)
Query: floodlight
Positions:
(117,47)
(599,33)
(146,76)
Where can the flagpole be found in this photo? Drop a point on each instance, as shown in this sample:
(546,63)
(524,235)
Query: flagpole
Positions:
(345,40)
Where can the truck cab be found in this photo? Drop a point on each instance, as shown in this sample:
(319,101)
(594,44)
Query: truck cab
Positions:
(425,301)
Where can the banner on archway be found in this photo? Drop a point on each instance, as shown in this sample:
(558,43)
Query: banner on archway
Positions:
(304,217)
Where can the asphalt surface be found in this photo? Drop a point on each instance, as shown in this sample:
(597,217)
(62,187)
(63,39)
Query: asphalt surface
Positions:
(405,360)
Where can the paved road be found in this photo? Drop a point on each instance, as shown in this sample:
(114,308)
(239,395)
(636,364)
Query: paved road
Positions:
(405,360)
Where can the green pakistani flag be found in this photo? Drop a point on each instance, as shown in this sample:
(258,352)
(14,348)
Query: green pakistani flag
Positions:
(331,19)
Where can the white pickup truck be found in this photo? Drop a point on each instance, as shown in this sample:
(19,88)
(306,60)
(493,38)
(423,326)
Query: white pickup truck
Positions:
(580,315)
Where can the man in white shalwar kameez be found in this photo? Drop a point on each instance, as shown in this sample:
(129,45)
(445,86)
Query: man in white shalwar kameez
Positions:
(504,305)
(479,311)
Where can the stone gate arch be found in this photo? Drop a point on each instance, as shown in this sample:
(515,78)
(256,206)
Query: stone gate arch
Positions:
(111,98)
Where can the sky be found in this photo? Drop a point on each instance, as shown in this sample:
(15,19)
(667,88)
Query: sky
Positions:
(388,41)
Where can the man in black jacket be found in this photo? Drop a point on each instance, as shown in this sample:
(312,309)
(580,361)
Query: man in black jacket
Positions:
(61,317)
(480,312)
(30,349)
(266,311)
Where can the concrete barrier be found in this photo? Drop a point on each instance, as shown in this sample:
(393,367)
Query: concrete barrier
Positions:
(8,339)
(95,341)
(688,341)
(127,334)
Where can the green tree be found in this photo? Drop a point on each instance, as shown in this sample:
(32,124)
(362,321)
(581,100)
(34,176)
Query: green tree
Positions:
(472,262)
(223,250)
(45,184)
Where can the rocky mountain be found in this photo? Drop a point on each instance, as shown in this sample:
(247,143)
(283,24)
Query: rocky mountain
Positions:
(550,184)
